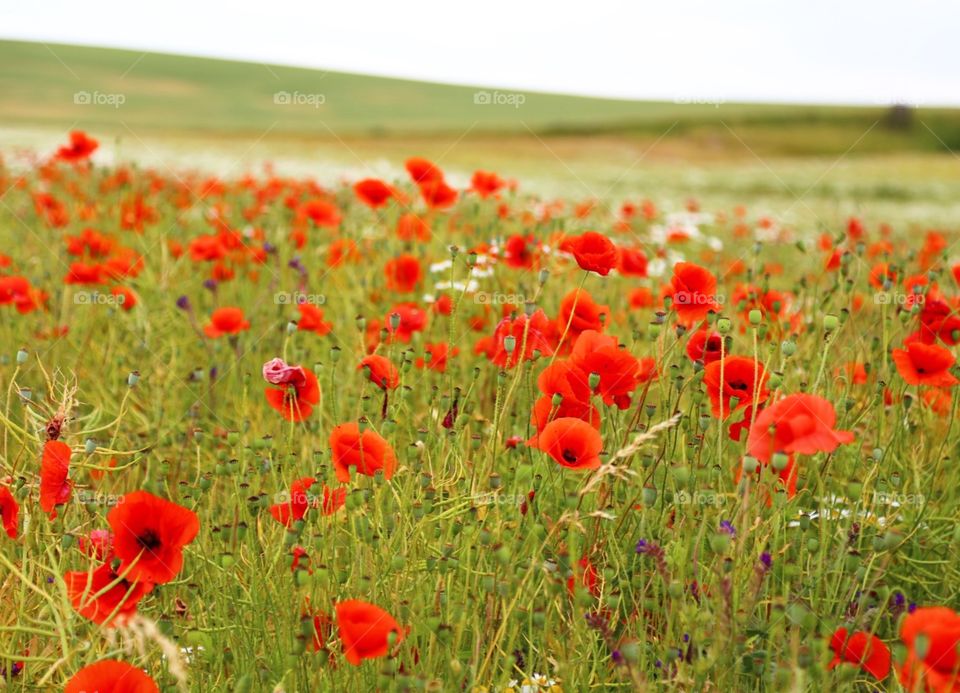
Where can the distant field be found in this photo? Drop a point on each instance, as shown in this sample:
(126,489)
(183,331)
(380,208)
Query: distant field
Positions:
(150,93)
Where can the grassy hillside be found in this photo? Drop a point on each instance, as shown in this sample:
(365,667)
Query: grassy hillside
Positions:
(118,90)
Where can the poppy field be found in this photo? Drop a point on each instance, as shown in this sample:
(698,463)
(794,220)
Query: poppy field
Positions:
(276,433)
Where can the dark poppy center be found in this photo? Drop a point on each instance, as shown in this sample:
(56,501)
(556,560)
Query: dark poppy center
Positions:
(149,540)
(738,385)
(569,456)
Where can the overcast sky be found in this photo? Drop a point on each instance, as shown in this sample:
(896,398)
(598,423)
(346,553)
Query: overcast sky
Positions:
(831,51)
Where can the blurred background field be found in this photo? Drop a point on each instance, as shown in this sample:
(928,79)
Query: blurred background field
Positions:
(800,163)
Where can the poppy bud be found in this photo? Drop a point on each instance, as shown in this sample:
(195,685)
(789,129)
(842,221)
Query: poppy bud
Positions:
(90,446)
(755,317)
(394,321)
(830,322)
(750,465)
(594,381)
(557,399)
(509,343)
(26,393)
(649,496)
(543,276)
(654,329)
(22,356)
(780,461)
(133,378)
(361,323)
(723,325)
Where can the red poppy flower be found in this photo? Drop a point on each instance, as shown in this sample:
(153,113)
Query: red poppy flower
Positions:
(520,252)
(55,486)
(102,596)
(862,649)
(594,252)
(149,535)
(925,364)
(300,501)
(564,377)
(437,194)
(403,273)
(374,192)
(227,320)
(9,512)
(619,371)
(693,290)
(588,578)
(125,297)
(320,212)
(80,148)
(633,262)
(365,630)
(704,346)
(341,251)
(412,319)
(367,452)
(571,442)
(528,335)
(485,183)
(111,676)
(438,352)
(295,399)
(423,171)
(743,379)
(544,411)
(796,424)
(579,313)
(932,664)
(311,319)
(411,227)
(381,372)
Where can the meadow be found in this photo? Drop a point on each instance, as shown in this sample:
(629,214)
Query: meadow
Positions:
(533,413)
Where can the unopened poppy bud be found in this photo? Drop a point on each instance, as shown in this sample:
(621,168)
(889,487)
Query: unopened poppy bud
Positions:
(654,329)
(22,356)
(755,317)
(649,496)
(780,461)
(26,393)
(529,308)
(90,446)
(750,465)
(543,276)
(594,381)
(133,378)
(830,322)
(788,347)
(775,380)
(495,481)
(719,542)
(723,325)
(454,250)
(509,343)
(66,541)
(394,321)
(668,302)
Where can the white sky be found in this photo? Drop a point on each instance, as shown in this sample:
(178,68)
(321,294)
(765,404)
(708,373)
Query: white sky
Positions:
(831,51)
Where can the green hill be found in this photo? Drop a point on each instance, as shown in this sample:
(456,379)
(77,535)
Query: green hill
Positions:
(119,90)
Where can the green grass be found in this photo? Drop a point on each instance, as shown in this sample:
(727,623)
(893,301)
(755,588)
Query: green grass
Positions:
(176,94)
(481,585)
